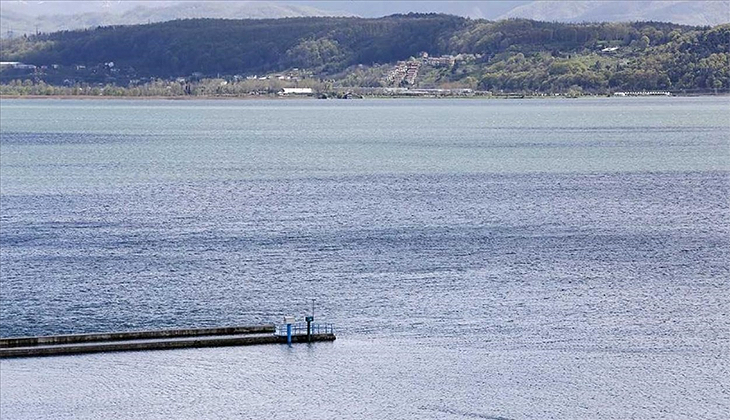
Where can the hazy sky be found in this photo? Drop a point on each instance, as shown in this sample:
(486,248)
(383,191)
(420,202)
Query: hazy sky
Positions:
(697,12)
(487,9)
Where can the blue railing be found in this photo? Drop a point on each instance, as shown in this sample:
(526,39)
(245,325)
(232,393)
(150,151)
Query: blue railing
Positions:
(300,328)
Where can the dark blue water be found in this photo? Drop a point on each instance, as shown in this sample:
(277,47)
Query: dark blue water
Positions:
(552,259)
(237,252)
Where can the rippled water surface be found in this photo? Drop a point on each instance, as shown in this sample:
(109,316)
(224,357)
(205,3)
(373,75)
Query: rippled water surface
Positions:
(480,259)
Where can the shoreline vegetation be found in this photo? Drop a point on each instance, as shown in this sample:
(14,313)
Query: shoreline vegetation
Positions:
(312,97)
(221,87)
(399,55)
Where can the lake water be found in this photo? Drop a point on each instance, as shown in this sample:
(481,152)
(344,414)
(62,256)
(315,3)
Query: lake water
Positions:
(527,259)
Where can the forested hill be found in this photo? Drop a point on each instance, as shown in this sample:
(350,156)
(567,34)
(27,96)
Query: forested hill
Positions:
(225,46)
(511,54)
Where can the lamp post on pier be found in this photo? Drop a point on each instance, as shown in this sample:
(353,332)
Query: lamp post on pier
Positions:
(309,320)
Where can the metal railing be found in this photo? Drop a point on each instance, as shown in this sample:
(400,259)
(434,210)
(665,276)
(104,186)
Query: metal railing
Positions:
(300,328)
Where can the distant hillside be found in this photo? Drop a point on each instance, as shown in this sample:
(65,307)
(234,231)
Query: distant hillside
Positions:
(14,20)
(511,55)
(212,46)
(709,13)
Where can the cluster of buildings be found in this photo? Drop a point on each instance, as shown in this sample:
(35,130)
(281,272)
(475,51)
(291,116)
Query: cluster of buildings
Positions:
(294,75)
(447,60)
(405,72)
(643,93)
(443,61)
(16,65)
(435,93)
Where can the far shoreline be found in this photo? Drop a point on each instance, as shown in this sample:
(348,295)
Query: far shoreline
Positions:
(171,98)
(286,98)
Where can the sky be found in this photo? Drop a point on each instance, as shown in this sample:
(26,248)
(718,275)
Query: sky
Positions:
(697,12)
(485,9)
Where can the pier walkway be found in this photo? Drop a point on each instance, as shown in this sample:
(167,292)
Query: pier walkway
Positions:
(154,340)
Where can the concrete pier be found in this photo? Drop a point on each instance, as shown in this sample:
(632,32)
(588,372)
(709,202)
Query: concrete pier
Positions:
(147,340)
(132,335)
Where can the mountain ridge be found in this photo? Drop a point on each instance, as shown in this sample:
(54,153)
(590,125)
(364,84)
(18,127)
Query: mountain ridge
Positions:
(696,13)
